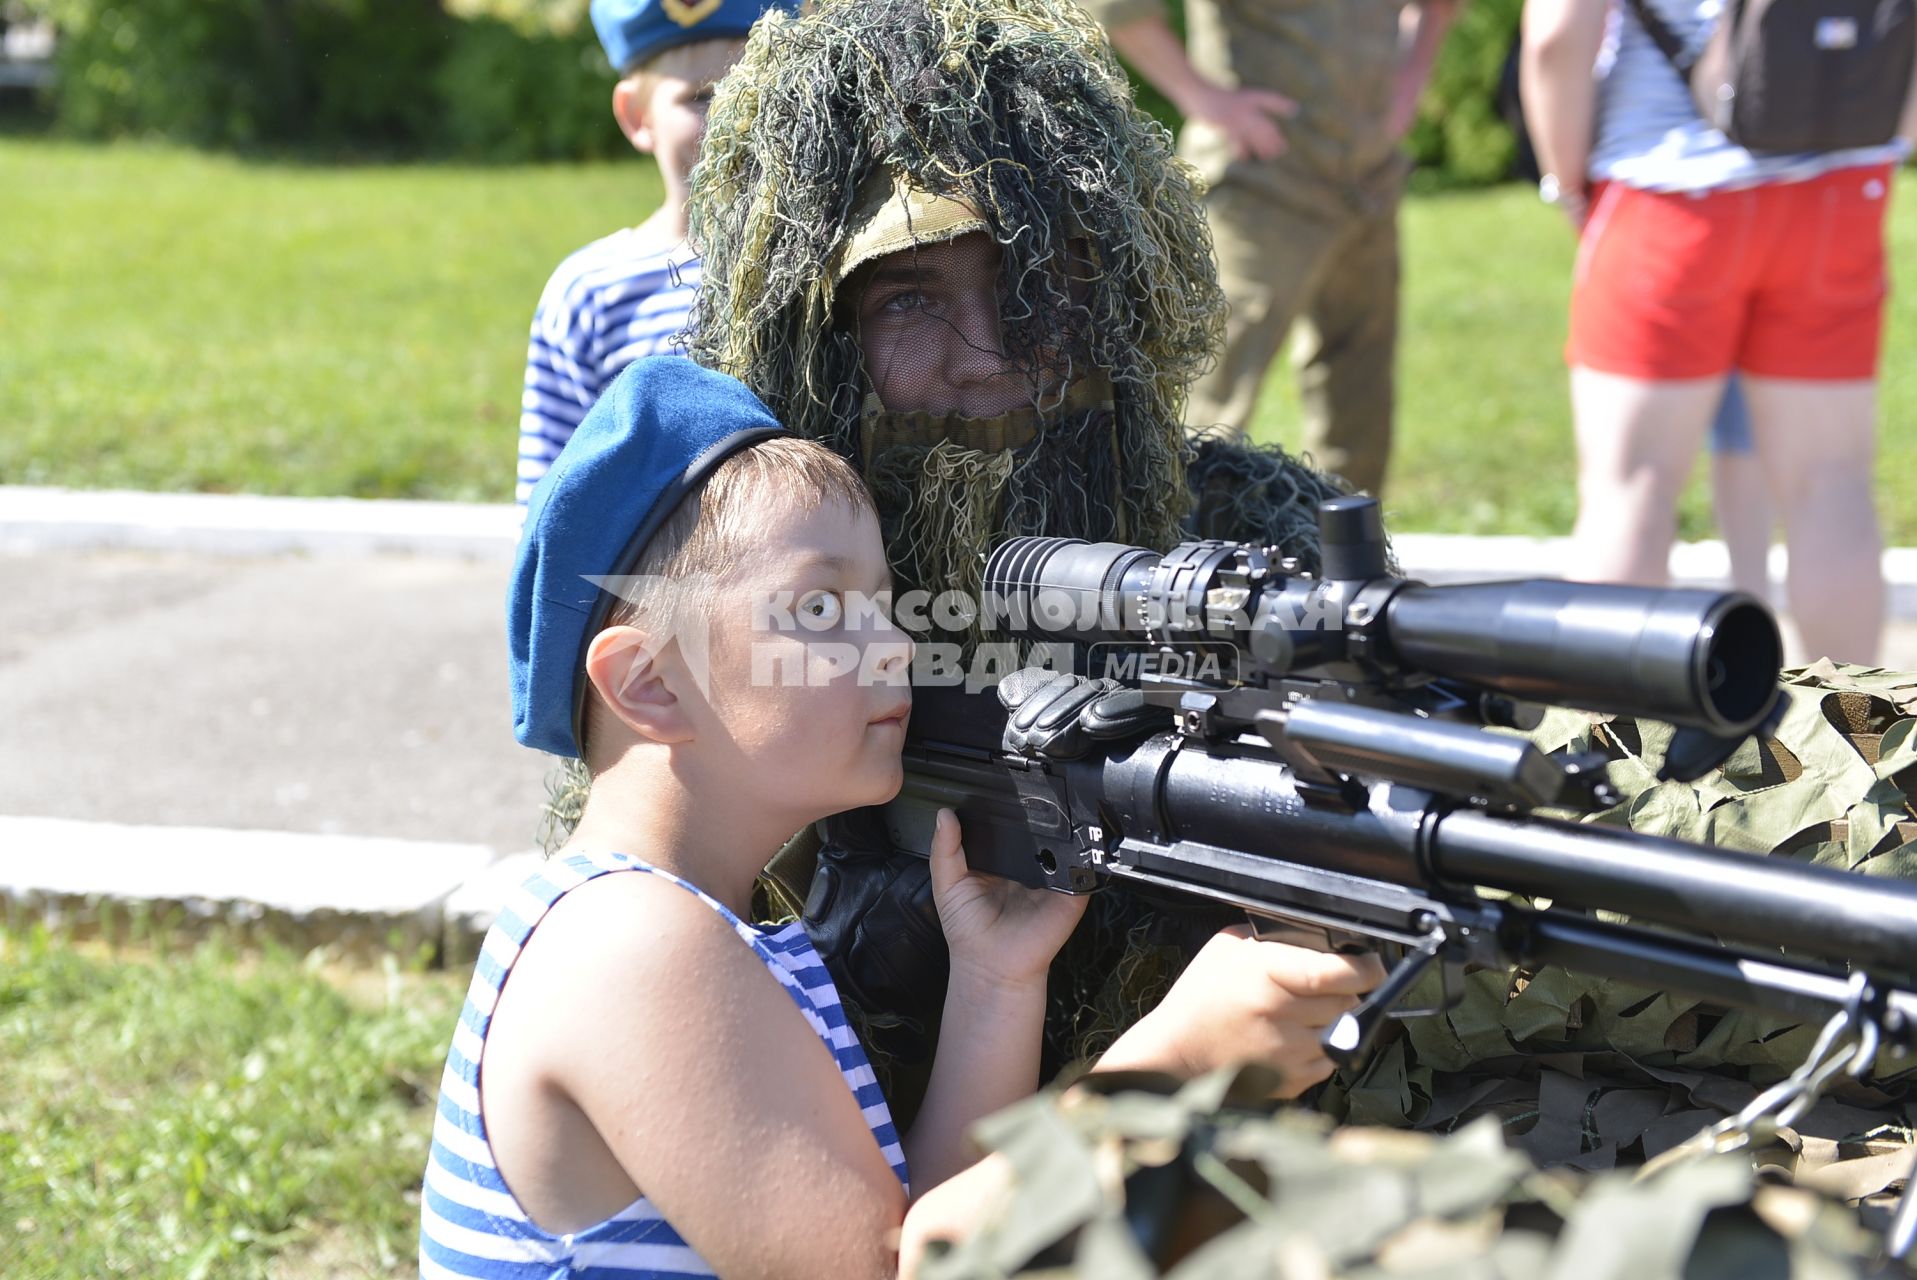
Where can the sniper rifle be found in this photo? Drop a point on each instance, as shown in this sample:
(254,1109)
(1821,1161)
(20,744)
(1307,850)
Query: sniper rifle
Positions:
(1332,761)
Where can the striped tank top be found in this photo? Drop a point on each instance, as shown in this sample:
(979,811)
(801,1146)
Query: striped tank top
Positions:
(470,1224)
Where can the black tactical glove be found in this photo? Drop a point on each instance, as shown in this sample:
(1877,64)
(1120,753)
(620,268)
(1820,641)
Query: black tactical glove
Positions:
(1062,716)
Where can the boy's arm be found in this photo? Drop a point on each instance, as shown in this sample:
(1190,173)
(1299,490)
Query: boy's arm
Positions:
(706,1084)
(1246,999)
(987,1059)
(1002,938)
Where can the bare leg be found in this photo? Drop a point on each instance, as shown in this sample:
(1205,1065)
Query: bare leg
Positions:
(1817,442)
(1743,512)
(1637,441)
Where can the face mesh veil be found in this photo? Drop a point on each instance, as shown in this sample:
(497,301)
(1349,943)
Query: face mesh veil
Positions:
(1062,415)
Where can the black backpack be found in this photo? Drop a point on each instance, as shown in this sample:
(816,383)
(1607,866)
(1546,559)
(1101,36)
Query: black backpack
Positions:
(1781,76)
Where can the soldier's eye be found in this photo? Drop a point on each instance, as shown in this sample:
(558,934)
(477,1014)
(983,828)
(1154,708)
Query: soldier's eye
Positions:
(906,300)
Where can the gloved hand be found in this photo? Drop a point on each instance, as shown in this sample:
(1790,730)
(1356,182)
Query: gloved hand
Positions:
(1061,716)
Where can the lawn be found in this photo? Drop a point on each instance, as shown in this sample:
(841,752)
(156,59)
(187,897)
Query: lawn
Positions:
(175,320)
(203,1112)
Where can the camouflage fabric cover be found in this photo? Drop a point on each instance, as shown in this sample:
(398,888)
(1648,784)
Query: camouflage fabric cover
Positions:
(1552,1070)
(1123,1178)
(1591,1073)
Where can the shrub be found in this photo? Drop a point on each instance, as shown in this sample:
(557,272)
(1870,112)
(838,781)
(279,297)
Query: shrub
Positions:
(246,73)
(513,94)
(390,76)
(1459,133)
(511,80)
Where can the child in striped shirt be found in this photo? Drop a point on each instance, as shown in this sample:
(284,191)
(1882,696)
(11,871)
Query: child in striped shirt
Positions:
(629,294)
(643,1083)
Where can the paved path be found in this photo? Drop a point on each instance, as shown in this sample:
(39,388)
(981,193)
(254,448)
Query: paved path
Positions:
(346,695)
(207,690)
(330,694)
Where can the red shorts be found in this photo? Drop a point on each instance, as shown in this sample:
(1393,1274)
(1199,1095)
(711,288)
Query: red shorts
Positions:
(1783,281)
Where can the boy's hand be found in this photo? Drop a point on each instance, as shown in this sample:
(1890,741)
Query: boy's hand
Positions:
(999,931)
(1245,1000)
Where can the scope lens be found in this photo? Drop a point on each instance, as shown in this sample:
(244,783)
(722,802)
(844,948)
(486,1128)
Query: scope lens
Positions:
(1738,666)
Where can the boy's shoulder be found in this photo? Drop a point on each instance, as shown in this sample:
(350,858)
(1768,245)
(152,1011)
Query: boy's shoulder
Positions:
(646,939)
(623,263)
(622,903)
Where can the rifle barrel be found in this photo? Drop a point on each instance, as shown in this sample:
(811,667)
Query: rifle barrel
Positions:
(1655,879)
(1237,798)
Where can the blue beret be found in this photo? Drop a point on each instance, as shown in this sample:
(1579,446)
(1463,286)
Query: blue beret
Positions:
(654,436)
(634,30)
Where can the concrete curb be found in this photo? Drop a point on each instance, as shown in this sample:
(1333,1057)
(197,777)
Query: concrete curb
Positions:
(361,896)
(46,519)
(40,519)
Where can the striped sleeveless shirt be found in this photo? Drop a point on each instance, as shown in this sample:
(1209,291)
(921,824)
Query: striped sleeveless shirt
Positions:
(470,1224)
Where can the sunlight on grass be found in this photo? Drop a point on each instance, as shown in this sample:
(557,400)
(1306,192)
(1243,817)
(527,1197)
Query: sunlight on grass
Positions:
(173,320)
(205,1112)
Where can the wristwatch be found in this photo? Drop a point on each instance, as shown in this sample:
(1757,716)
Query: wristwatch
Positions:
(1551,191)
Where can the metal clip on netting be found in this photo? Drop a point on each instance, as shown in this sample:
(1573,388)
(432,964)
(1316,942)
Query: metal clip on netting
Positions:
(1847,1045)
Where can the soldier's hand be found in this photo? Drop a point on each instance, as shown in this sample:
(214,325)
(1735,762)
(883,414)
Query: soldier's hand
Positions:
(1247,117)
(1245,1000)
(1061,716)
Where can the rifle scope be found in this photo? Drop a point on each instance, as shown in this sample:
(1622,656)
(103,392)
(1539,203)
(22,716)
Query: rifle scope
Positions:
(1702,658)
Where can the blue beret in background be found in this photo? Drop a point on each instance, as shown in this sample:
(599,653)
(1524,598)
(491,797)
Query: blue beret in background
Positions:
(634,30)
(655,435)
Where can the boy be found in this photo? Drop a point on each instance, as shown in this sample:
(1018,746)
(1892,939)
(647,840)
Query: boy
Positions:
(667,1089)
(628,295)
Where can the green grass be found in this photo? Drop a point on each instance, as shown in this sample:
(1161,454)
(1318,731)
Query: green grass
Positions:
(175,320)
(206,1113)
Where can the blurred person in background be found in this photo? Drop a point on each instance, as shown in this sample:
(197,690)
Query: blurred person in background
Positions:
(1740,501)
(1293,115)
(628,294)
(1699,256)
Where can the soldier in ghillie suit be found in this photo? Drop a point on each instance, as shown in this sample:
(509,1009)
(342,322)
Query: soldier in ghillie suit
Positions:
(939,237)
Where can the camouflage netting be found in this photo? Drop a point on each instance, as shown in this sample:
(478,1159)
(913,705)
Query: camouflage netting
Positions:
(1588,1072)
(1246,492)
(1124,1179)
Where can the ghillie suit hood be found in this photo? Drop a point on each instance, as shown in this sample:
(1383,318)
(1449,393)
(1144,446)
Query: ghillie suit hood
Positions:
(878,113)
(872,127)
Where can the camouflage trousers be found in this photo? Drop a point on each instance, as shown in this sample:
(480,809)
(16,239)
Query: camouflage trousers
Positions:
(1334,277)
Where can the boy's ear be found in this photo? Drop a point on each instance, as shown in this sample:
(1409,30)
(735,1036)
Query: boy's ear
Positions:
(631,677)
(629,100)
